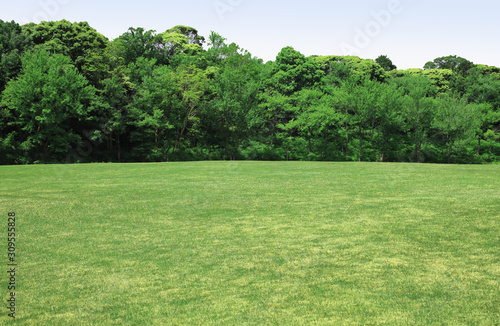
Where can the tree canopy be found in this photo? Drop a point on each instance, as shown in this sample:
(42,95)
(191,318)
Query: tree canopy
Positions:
(68,94)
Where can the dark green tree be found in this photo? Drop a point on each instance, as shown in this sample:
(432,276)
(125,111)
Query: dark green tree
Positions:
(137,42)
(385,63)
(154,116)
(453,62)
(13,43)
(50,105)
(232,108)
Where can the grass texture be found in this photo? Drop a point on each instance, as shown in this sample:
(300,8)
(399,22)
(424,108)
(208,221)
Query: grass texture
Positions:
(254,243)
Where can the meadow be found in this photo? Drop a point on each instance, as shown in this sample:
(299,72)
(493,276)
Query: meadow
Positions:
(253,243)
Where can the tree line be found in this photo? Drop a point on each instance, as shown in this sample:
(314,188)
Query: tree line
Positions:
(68,94)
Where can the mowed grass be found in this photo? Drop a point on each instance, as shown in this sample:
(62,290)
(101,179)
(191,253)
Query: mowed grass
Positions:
(254,243)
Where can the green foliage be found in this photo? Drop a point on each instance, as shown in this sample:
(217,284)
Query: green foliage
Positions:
(49,104)
(456,122)
(360,68)
(163,97)
(189,32)
(154,115)
(451,62)
(234,101)
(182,39)
(137,43)
(441,78)
(76,40)
(293,72)
(385,63)
(13,42)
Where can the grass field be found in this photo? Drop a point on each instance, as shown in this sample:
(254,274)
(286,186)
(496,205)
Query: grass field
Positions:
(254,243)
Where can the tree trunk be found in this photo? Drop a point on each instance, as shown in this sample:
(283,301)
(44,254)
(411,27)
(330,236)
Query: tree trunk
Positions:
(288,150)
(489,153)
(449,149)
(360,144)
(347,147)
(417,151)
(119,149)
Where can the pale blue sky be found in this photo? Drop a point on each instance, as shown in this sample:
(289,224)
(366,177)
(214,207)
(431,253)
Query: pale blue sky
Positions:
(410,32)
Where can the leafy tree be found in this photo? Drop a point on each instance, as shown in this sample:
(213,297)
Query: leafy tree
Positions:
(191,83)
(440,78)
(385,63)
(451,62)
(154,115)
(417,111)
(318,122)
(50,103)
(115,94)
(76,40)
(218,49)
(491,136)
(391,104)
(234,101)
(189,32)
(293,72)
(182,39)
(13,42)
(137,42)
(359,68)
(360,102)
(456,122)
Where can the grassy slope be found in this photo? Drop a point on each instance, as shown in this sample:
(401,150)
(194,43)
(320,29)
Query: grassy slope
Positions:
(255,243)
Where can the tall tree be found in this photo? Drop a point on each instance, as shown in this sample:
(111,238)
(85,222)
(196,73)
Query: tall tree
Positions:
(13,43)
(360,101)
(182,39)
(191,83)
(50,103)
(234,101)
(418,111)
(456,122)
(154,115)
(293,72)
(76,40)
(137,42)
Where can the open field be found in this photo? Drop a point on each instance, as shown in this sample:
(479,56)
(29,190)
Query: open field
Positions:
(254,243)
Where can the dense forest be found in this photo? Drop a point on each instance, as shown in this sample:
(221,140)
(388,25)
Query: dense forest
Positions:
(68,94)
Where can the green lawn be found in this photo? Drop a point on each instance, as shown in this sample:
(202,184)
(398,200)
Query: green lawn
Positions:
(254,243)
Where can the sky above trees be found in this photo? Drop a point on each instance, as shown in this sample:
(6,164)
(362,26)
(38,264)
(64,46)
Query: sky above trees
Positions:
(410,32)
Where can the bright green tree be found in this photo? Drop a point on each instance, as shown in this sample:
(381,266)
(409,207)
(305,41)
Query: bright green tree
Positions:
(192,84)
(358,68)
(182,39)
(76,40)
